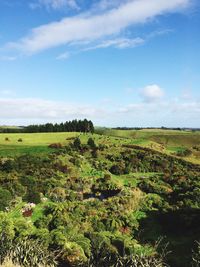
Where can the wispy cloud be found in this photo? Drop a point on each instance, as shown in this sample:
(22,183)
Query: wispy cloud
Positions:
(164,112)
(89,27)
(168,112)
(120,43)
(8,58)
(63,56)
(54,4)
(32,108)
(103,5)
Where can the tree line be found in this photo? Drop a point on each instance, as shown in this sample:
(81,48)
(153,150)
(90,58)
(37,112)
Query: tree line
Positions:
(68,126)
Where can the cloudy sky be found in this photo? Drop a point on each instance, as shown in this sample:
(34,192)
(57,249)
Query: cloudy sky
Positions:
(117,62)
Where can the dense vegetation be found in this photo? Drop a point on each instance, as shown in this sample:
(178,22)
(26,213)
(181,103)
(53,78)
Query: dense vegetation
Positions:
(99,201)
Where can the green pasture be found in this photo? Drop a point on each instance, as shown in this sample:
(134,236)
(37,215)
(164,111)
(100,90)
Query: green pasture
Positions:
(34,139)
(165,141)
(162,140)
(164,136)
(34,143)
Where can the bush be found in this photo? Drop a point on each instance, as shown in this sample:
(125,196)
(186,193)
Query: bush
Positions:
(77,143)
(5,198)
(91,143)
(56,145)
(119,168)
(184,153)
(196,256)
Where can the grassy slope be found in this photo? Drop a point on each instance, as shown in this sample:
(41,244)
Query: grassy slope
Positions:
(38,143)
(165,141)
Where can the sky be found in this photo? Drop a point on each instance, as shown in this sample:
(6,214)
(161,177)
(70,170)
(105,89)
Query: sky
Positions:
(133,63)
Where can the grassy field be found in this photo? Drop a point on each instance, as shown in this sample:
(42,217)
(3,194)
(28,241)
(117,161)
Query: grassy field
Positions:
(35,143)
(35,139)
(165,141)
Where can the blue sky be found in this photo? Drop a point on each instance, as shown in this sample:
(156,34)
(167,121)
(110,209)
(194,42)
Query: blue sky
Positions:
(117,62)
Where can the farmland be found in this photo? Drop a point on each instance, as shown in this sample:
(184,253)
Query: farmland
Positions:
(103,199)
(166,141)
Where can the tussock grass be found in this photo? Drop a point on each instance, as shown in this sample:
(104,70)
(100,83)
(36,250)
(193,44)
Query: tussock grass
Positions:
(8,263)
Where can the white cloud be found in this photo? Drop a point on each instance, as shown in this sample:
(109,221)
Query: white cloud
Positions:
(168,112)
(54,4)
(152,93)
(63,56)
(88,27)
(31,108)
(120,43)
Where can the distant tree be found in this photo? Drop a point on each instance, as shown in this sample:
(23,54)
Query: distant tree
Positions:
(68,126)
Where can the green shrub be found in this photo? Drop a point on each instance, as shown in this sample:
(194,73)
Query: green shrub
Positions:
(5,198)
(196,256)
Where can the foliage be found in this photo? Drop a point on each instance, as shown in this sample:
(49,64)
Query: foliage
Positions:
(5,198)
(98,201)
(26,252)
(68,126)
(196,256)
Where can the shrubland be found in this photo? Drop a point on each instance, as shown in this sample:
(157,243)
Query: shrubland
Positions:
(99,201)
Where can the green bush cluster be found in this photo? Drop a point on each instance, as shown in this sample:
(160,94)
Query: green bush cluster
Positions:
(86,215)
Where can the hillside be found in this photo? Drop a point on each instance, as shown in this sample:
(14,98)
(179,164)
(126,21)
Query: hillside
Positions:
(113,198)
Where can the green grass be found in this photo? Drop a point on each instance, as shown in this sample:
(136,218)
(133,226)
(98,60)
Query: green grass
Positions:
(144,133)
(35,139)
(15,213)
(131,179)
(7,151)
(38,211)
(175,149)
(165,141)
(32,143)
